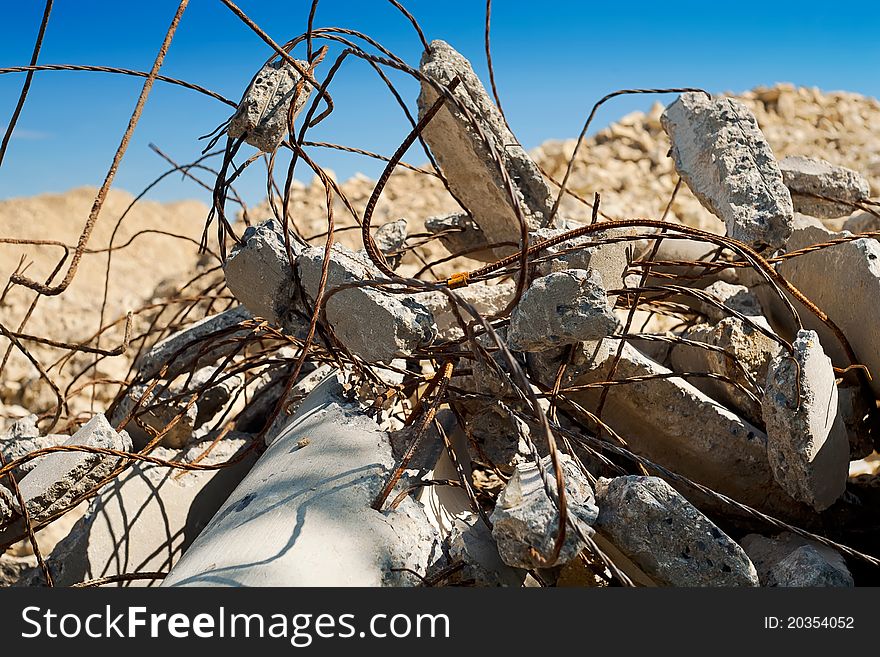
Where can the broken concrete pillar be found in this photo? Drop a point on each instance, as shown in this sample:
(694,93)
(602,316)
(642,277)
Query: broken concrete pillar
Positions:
(302,515)
(671,422)
(561,308)
(259,274)
(465,156)
(751,350)
(262,114)
(806,176)
(202,343)
(526,521)
(791,560)
(806,441)
(373,324)
(147,517)
(458,233)
(724,158)
(667,537)
(61,478)
(157,411)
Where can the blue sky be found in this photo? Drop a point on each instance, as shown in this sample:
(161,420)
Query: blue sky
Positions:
(553,60)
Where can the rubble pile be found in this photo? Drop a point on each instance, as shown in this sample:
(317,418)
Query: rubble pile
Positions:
(620,400)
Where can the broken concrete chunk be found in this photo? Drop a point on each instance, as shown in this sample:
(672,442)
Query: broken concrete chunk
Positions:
(214,398)
(778,565)
(390,238)
(751,350)
(526,521)
(808,176)
(610,260)
(373,324)
(259,274)
(465,156)
(22,438)
(735,297)
(722,155)
(302,515)
(201,343)
(471,543)
(147,517)
(487,299)
(459,233)
(262,115)
(806,441)
(859,414)
(864,222)
(157,411)
(667,537)
(61,478)
(561,308)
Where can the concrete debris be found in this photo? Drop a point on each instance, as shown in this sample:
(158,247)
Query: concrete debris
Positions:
(859,414)
(262,115)
(459,233)
(564,307)
(610,260)
(259,274)
(147,517)
(863,222)
(216,397)
(671,422)
(806,440)
(735,297)
(722,155)
(525,520)
(749,349)
(807,177)
(63,477)
(666,536)
(202,343)
(316,480)
(157,411)
(487,299)
(471,543)
(790,560)
(398,324)
(464,152)
(22,438)
(390,238)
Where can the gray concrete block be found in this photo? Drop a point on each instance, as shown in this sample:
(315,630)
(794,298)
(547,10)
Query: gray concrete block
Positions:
(809,175)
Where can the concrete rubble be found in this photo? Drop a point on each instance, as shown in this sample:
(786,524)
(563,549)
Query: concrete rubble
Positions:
(526,520)
(809,177)
(157,411)
(262,115)
(399,324)
(790,560)
(667,537)
(724,158)
(459,233)
(806,440)
(465,153)
(565,307)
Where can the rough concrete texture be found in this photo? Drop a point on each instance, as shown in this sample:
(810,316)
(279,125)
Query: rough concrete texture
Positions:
(805,176)
(807,443)
(487,298)
(859,414)
(302,516)
(371,323)
(525,519)
(262,115)
(862,222)
(734,297)
(610,260)
(471,543)
(751,350)
(147,517)
(496,435)
(157,411)
(722,155)
(458,233)
(561,308)
(190,347)
(259,274)
(61,478)
(390,238)
(775,557)
(671,422)
(667,537)
(215,397)
(22,438)
(465,156)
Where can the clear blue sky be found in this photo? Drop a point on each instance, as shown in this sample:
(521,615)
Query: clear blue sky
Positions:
(553,60)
